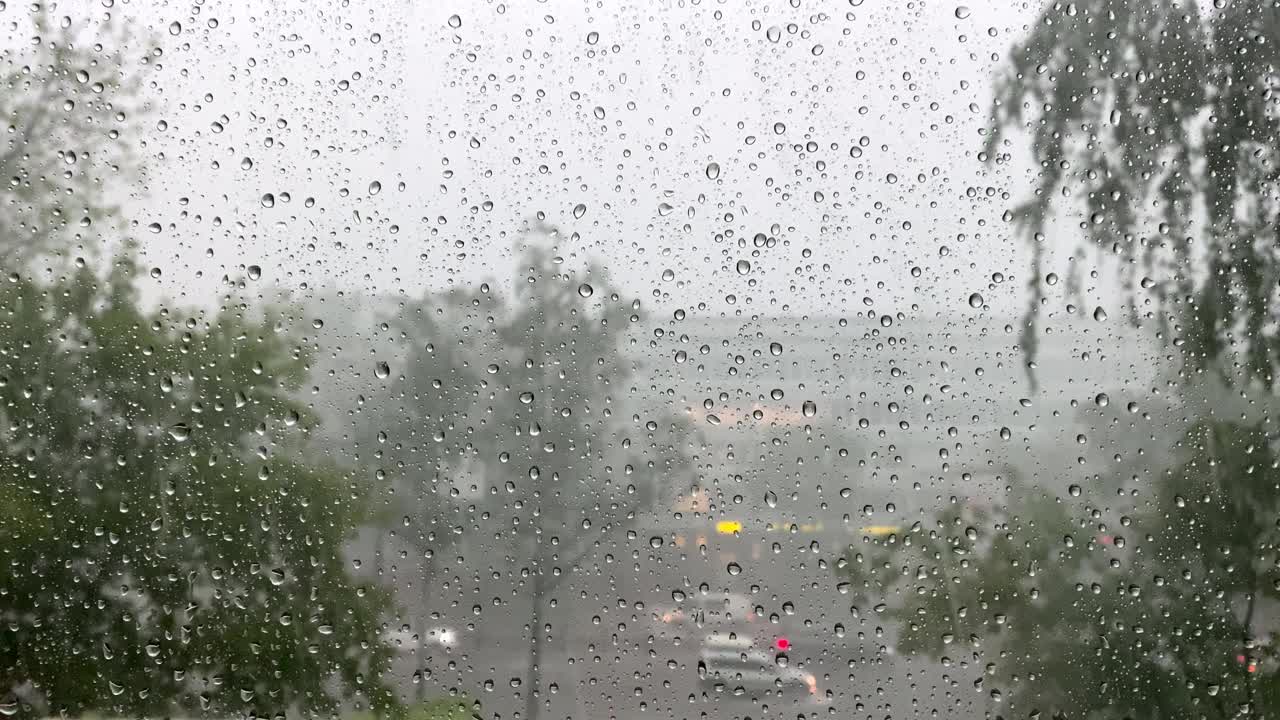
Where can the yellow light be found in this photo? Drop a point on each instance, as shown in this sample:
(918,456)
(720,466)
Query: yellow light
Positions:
(728,527)
(880,530)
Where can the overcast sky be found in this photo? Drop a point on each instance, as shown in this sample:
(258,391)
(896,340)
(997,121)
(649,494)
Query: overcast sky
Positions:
(541,107)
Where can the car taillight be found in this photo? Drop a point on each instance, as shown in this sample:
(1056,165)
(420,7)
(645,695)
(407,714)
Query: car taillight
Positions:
(782,644)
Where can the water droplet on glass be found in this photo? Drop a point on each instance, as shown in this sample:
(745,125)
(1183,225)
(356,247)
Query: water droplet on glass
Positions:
(975,300)
(1074,490)
(664,209)
(774,33)
(455,21)
(1099,314)
(809,408)
(655,541)
(771,499)
(175,28)
(255,272)
(1101,400)
(744,267)
(585,290)
(375,187)
(775,349)
(713,171)
(734,568)
(579,210)
(268,200)
(382,370)
(962,12)
(180,432)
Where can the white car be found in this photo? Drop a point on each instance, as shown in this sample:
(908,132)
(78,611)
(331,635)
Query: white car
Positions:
(734,661)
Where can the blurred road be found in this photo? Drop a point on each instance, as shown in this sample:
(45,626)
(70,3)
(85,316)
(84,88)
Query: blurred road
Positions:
(608,657)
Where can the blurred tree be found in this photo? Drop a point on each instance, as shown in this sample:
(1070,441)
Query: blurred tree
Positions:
(565,375)
(1162,118)
(1155,614)
(165,546)
(171,548)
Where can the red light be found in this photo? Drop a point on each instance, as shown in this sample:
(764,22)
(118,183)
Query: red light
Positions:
(782,644)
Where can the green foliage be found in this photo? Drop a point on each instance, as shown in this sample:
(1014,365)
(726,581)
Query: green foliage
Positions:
(166,547)
(1167,106)
(1079,610)
(170,547)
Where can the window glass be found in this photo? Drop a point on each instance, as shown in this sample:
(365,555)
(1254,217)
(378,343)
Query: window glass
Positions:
(690,359)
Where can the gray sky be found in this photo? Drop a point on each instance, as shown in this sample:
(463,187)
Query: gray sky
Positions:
(504,109)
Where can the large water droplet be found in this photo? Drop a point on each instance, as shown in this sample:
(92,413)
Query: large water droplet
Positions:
(713,171)
(382,370)
(962,12)
(809,408)
(744,267)
(579,210)
(975,300)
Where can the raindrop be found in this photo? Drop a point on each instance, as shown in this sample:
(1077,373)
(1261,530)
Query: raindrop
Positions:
(382,370)
(771,499)
(713,171)
(375,187)
(1051,279)
(175,28)
(180,432)
(734,568)
(255,272)
(962,12)
(268,200)
(809,408)
(774,33)
(585,290)
(744,267)
(1099,314)
(975,300)
(664,209)
(455,21)
(1101,400)
(655,541)
(579,210)
(775,349)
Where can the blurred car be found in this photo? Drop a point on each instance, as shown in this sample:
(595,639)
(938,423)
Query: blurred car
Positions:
(737,661)
(674,616)
(406,640)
